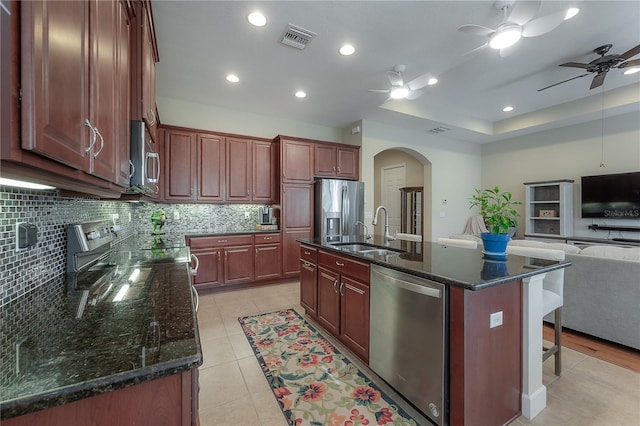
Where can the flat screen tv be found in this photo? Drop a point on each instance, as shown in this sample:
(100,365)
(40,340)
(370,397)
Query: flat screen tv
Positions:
(615,196)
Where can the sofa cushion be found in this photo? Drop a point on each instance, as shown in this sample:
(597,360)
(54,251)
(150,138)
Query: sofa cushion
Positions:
(612,252)
(567,248)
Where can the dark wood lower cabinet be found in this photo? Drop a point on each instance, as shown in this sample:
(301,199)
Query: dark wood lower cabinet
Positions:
(168,401)
(237,264)
(354,316)
(267,262)
(328,300)
(210,269)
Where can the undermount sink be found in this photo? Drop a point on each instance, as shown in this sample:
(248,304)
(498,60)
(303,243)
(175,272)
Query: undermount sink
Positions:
(368,249)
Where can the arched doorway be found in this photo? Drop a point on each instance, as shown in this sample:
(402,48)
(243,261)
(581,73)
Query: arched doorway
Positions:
(398,168)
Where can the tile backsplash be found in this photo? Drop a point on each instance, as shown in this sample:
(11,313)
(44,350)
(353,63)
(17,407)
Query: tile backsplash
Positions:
(33,280)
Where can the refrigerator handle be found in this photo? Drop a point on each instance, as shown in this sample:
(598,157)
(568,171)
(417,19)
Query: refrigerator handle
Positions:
(343,215)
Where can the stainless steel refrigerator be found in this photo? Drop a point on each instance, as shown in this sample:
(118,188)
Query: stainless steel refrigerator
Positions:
(339,204)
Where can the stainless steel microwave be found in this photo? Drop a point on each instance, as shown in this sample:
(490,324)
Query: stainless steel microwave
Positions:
(145,163)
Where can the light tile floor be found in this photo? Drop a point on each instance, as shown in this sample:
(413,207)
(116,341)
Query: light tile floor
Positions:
(233,390)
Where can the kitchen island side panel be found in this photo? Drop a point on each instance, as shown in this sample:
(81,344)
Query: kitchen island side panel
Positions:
(485,362)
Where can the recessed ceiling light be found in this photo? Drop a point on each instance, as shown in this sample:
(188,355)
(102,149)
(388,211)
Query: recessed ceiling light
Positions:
(347,50)
(571,12)
(257,19)
(632,70)
(507,109)
(233,78)
(507,36)
(432,81)
(301,94)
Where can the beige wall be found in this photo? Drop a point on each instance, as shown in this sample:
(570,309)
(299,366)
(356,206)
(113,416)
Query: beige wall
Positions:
(565,153)
(414,170)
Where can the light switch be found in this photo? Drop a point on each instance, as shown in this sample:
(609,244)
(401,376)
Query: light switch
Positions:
(495,319)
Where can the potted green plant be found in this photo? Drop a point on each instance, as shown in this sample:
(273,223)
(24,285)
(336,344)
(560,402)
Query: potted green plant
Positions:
(496,207)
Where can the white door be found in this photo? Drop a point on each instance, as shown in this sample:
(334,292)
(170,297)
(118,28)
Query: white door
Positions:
(393,178)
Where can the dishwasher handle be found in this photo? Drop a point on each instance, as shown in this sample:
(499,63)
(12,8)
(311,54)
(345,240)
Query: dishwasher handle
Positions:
(415,288)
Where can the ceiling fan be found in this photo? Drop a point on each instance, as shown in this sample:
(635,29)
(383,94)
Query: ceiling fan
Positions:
(602,65)
(518,22)
(400,90)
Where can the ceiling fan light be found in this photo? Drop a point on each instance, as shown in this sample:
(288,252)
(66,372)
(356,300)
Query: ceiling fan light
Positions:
(505,37)
(571,12)
(632,71)
(399,92)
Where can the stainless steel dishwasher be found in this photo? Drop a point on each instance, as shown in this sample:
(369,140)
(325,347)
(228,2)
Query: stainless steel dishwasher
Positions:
(408,338)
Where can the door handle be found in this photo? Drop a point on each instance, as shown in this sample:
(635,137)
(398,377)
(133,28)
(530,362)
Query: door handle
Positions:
(335,283)
(93,136)
(341,285)
(101,143)
(194,271)
(339,264)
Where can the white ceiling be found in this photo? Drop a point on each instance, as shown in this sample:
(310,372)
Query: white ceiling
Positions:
(200,42)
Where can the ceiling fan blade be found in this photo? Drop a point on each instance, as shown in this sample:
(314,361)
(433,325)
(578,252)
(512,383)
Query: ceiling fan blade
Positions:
(419,82)
(476,49)
(543,25)
(414,94)
(524,11)
(631,52)
(628,64)
(395,78)
(598,80)
(576,65)
(379,90)
(563,81)
(476,30)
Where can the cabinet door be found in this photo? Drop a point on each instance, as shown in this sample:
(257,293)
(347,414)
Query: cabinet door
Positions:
(210,269)
(104,84)
(238,264)
(297,203)
(291,250)
(55,80)
(148,71)
(211,167)
(354,316)
(263,173)
(328,300)
(238,169)
(308,287)
(347,160)
(122,97)
(180,165)
(325,162)
(268,261)
(297,161)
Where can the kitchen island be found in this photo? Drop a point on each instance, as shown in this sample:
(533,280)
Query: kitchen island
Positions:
(122,349)
(493,317)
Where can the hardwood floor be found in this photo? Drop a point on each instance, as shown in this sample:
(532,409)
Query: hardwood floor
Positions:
(622,356)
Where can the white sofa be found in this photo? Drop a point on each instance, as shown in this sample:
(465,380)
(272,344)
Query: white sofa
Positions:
(601,290)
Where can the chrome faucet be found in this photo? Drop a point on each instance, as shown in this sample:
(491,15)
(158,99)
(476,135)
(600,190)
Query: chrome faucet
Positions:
(367,235)
(387,237)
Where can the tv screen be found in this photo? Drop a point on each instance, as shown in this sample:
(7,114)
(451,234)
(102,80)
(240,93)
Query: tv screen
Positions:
(614,196)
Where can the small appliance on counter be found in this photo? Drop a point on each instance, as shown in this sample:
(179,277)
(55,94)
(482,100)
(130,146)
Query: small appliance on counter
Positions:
(266,215)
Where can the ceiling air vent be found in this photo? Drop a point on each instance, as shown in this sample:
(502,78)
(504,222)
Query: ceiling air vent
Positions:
(297,37)
(440,129)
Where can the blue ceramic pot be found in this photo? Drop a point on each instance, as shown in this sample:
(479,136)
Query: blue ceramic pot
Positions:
(495,244)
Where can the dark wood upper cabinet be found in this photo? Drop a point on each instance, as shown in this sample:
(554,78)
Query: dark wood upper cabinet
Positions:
(55,81)
(336,161)
(296,160)
(211,167)
(238,169)
(263,172)
(180,165)
(123,110)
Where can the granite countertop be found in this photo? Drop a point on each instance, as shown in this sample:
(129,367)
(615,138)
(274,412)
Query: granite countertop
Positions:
(99,342)
(455,266)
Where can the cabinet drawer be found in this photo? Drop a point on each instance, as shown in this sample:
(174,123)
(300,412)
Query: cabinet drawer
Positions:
(267,238)
(344,265)
(309,254)
(220,241)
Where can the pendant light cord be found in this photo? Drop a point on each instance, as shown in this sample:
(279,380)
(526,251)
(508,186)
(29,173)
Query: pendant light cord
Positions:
(602,132)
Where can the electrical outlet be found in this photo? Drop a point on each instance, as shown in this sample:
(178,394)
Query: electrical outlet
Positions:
(247,215)
(115,216)
(495,319)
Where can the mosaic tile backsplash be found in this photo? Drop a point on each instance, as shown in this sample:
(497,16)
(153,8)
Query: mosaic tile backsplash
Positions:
(42,267)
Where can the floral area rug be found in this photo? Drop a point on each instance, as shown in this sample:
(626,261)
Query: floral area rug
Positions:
(313,382)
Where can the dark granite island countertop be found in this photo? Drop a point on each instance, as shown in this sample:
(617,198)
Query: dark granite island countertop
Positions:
(105,338)
(461,267)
